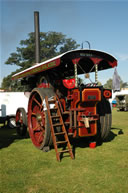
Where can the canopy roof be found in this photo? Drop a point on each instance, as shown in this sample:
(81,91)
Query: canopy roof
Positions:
(64,64)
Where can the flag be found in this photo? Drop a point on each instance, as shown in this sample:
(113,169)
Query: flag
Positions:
(116,81)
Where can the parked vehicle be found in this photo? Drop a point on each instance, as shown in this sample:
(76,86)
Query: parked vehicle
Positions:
(122,102)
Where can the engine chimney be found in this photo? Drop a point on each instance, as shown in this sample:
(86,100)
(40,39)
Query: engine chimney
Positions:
(37,37)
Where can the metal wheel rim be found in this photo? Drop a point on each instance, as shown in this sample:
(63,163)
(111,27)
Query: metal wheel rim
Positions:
(36,119)
(19,119)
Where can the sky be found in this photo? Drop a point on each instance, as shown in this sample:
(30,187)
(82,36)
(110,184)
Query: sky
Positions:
(102,23)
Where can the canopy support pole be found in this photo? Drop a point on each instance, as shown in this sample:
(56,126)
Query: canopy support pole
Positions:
(96,73)
(76,77)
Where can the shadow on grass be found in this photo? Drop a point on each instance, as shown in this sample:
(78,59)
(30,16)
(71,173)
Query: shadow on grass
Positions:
(110,137)
(84,142)
(75,143)
(120,131)
(8,136)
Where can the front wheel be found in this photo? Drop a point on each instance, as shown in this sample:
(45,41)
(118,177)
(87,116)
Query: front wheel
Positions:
(38,123)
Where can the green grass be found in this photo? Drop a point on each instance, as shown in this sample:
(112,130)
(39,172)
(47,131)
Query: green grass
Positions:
(25,169)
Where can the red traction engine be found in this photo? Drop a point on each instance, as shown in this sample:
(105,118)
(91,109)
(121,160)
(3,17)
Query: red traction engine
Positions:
(61,106)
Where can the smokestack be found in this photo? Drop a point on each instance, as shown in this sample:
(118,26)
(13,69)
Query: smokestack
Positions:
(37,37)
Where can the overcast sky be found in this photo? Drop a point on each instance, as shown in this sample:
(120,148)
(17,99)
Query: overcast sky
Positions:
(103,23)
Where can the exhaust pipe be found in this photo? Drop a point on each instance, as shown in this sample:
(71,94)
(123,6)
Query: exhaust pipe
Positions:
(37,37)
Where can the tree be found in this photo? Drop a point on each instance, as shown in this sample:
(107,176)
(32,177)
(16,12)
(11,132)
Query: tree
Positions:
(9,85)
(51,44)
(108,84)
(125,85)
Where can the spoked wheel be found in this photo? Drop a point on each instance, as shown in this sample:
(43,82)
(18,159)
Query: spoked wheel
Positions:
(38,123)
(105,121)
(21,122)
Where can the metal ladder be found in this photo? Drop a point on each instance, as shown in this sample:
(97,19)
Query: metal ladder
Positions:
(56,120)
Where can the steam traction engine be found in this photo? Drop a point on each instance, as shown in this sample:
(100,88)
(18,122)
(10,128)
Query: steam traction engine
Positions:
(60,106)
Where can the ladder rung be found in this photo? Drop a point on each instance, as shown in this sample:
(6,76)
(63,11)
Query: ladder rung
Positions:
(60,133)
(67,150)
(60,142)
(70,134)
(57,124)
(55,108)
(67,123)
(55,116)
(66,112)
(51,102)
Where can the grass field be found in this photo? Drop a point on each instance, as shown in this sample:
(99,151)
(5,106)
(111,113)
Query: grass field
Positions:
(25,169)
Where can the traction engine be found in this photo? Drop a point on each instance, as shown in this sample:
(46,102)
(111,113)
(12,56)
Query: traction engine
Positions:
(60,107)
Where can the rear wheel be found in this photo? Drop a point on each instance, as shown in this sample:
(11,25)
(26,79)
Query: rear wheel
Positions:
(21,122)
(38,123)
(108,120)
(104,123)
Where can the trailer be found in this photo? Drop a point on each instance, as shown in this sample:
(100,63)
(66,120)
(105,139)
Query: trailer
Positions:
(60,107)
(9,103)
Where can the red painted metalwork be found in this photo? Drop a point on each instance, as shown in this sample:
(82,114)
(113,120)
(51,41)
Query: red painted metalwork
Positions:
(19,118)
(107,93)
(36,120)
(43,85)
(91,94)
(76,60)
(96,60)
(37,68)
(84,109)
(69,83)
